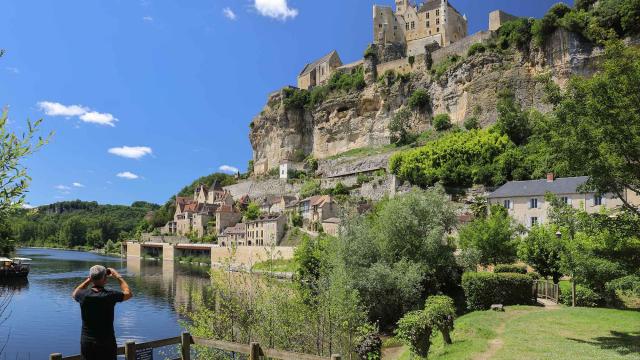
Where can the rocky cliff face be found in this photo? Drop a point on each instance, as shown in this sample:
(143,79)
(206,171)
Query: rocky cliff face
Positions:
(350,120)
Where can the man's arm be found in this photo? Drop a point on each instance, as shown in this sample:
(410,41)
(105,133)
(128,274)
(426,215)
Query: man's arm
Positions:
(123,284)
(82,286)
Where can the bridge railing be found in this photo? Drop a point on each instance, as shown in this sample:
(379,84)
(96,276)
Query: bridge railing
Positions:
(254,350)
(546,289)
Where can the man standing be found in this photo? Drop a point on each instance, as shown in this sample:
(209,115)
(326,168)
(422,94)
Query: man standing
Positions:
(98,340)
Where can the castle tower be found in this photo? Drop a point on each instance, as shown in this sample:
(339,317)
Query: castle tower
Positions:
(402,6)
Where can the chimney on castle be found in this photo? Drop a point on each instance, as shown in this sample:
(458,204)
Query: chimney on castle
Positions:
(550,177)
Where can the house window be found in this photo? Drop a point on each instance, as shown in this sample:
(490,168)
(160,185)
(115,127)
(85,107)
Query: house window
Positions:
(380,26)
(428,24)
(437,12)
(413,25)
(407,26)
(597,200)
(534,221)
(437,21)
(533,203)
(507,204)
(437,29)
(565,200)
(427,14)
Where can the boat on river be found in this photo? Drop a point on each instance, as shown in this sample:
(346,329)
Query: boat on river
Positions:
(14,268)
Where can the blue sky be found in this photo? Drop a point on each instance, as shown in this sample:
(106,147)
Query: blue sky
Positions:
(144,96)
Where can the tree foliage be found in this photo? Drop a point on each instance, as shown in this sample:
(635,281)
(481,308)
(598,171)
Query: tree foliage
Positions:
(442,122)
(542,250)
(494,237)
(399,127)
(596,125)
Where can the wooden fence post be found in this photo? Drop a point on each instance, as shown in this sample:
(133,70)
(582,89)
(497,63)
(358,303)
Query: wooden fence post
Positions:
(336,357)
(130,350)
(56,356)
(255,351)
(185,343)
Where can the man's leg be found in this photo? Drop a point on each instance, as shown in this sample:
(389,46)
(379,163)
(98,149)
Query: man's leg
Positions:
(88,350)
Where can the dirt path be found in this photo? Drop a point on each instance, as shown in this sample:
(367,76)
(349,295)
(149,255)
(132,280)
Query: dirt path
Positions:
(392,353)
(495,344)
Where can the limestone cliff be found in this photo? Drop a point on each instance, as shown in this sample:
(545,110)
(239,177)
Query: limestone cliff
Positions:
(349,120)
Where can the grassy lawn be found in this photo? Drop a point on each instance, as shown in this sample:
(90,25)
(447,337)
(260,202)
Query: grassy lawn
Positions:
(279,265)
(524,332)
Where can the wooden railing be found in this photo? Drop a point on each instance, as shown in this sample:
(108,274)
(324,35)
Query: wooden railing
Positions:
(546,289)
(254,350)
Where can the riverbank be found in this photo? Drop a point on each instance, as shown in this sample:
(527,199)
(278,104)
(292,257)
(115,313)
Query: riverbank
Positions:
(79,249)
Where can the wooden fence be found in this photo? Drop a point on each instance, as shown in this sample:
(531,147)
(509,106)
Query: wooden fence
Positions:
(254,350)
(546,289)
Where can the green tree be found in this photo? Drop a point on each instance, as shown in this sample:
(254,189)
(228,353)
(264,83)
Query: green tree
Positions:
(252,212)
(74,232)
(14,179)
(493,237)
(399,127)
(512,120)
(442,122)
(310,188)
(542,250)
(440,312)
(596,125)
(415,330)
(419,100)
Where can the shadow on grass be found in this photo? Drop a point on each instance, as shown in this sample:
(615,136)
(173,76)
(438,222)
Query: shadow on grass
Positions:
(624,343)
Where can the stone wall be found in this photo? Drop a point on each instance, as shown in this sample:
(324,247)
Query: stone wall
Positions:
(378,188)
(331,168)
(247,256)
(461,47)
(258,188)
(164,239)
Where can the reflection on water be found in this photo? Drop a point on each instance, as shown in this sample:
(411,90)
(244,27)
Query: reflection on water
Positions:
(44,319)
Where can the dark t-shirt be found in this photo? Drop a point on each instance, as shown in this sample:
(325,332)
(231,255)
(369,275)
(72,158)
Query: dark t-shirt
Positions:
(97,305)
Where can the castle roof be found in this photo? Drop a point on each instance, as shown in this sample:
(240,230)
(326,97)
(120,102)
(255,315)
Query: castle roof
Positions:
(435,4)
(307,68)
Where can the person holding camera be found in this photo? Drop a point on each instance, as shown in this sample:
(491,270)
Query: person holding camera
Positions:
(97,303)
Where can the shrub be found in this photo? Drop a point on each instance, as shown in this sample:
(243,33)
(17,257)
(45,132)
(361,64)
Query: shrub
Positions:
(310,188)
(412,60)
(440,312)
(510,268)
(369,346)
(442,122)
(515,33)
(347,82)
(534,275)
(415,331)
(585,297)
(629,285)
(295,98)
(443,66)
(399,127)
(362,178)
(483,289)
(370,52)
(471,123)
(317,95)
(476,48)
(419,100)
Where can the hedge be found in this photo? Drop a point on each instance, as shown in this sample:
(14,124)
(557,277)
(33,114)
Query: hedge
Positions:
(483,289)
(510,268)
(585,297)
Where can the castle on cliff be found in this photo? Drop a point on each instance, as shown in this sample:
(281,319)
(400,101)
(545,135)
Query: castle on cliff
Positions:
(407,32)
(416,26)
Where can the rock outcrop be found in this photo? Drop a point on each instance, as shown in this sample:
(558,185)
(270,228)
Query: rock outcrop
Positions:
(350,120)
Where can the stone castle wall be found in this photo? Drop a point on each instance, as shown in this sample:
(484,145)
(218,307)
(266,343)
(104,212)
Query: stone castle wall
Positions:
(461,47)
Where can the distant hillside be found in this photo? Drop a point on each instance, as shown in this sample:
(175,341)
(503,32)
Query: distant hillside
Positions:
(79,223)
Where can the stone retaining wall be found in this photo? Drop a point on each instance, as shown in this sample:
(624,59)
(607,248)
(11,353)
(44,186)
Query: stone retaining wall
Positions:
(247,256)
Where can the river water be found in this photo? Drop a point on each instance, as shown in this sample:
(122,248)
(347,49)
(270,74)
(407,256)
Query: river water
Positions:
(44,319)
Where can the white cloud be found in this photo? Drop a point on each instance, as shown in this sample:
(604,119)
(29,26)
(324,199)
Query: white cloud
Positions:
(147,18)
(62,187)
(78,185)
(229,169)
(131,152)
(27,206)
(57,109)
(99,118)
(277,9)
(127,175)
(84,113)
(229,14)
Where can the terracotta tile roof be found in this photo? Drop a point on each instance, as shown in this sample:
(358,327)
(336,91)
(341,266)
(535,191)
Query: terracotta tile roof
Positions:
(318,200)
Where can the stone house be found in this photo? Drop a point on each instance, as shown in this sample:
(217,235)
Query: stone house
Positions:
(276,204)
(319,71)
(226,216)
(317,209)
(413,26)
(266,230)
(525,200)
(331,226)
(233,235)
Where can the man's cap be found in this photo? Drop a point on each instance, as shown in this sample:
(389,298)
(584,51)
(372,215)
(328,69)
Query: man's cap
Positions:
(97,272)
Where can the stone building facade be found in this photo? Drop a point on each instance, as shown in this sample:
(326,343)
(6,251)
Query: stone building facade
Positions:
(319,71)
(435,21)
(266,230)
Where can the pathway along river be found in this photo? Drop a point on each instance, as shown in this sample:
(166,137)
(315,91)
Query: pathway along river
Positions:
(43,318)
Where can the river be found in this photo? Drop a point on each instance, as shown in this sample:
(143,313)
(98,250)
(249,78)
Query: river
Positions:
(43,318)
